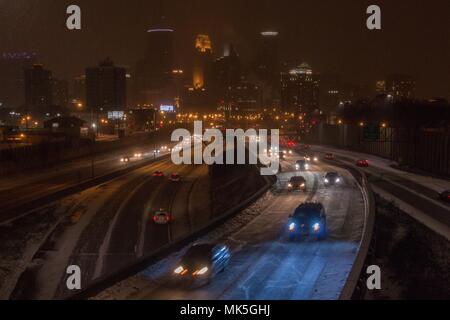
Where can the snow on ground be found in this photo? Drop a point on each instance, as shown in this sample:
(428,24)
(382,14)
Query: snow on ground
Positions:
(418,215)
(435,184)
(19,241)
(264,265)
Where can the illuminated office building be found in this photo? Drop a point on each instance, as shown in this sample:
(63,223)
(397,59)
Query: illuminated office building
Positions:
(300,90)
(202,62)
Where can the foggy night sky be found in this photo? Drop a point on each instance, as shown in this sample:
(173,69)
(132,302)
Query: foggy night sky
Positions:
(331,35)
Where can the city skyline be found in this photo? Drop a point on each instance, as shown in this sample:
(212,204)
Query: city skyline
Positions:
(256,151)
(316,34)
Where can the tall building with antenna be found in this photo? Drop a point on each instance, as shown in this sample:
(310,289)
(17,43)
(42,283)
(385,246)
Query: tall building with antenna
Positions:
(154,72)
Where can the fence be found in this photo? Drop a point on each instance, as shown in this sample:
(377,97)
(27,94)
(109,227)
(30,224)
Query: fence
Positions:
(423,149)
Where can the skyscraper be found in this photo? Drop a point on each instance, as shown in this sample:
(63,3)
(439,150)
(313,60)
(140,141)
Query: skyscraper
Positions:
(227,69)
(268,62)
(79,90)
(300,90)
(106,87)
(60,92)
(12,73)
(153,80)
(202,62)
(38,88)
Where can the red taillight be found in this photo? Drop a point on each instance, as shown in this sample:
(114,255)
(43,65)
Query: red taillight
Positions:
(448,197)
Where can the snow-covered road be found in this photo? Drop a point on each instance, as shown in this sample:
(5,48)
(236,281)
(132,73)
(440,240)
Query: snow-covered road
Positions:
(264,265)
(415,194)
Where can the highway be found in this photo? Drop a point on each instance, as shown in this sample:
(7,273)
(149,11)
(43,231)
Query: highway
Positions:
(415,194)
(264,264)
(105,228)
(19,189)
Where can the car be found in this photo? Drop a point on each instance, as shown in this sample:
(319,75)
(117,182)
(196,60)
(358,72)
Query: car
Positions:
(309,219)
(301,165)
(158,174)
(332,178)
(161,217)
(291,144)
(276,154)
(125,159)
(445,196)
(280,155)
(306,147)
(138,155)
(287,152)
(202,262)
(329,156)
(297,183)
(362,163)
(175,177)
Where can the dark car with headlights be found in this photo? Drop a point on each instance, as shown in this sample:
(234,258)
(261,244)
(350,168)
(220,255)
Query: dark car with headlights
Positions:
(297,183)
(301,165)
(202,262)
(332,179)
(308,220)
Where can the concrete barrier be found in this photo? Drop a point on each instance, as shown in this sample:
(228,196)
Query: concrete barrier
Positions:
(354,286)
(134,268)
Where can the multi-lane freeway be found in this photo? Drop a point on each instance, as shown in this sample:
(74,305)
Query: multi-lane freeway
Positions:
(21,192)
(101,229)
(264,265)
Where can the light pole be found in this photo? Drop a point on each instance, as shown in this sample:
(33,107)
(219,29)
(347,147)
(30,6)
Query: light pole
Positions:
(154,133)
(93,127)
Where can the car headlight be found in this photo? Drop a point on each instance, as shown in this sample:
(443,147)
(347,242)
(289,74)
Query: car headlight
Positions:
(307,166)
(292,227)
(316,227)
(290,185)
(316,159)
(179,270)
(201,271)
(338,180)
(303,185)
(327,181)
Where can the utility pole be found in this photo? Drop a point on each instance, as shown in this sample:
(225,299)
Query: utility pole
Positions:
(154,133)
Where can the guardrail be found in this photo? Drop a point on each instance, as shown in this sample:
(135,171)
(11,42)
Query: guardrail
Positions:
(354,286)
(141,264)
